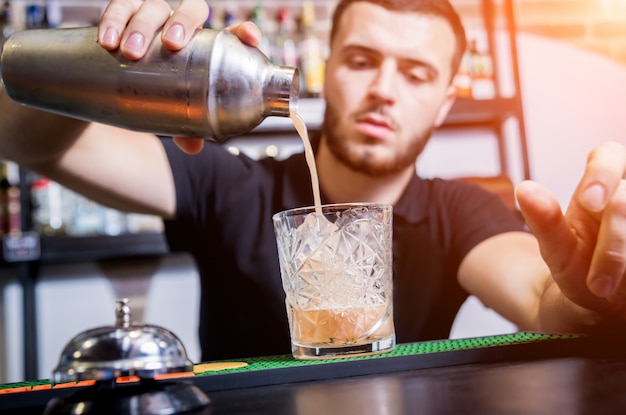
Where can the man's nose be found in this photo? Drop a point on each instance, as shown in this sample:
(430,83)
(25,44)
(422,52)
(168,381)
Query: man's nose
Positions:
(383,84)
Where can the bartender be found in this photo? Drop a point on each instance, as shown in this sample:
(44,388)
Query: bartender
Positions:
(388,85)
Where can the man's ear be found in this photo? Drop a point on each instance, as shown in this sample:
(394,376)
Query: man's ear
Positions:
(447,104)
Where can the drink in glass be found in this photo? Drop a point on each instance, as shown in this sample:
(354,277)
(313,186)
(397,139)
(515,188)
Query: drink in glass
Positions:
(336,269)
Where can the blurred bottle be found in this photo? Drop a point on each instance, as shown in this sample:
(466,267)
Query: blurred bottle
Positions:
(7,27)
(138,223)
(52,208)
(481,69)
(285,51)
(115,222)
(208,23)
(258,17)
(230,18)
(54,13)
(4,197)
(10,205)
(89,217)
(463,78)
(312,55)
(35,16)
(14,205)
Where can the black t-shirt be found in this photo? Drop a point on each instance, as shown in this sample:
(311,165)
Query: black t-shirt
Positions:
(224,214)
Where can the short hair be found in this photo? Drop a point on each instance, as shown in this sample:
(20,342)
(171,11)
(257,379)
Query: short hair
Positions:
(440,8)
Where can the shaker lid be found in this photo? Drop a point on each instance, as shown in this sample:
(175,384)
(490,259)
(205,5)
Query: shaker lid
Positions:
(125,349)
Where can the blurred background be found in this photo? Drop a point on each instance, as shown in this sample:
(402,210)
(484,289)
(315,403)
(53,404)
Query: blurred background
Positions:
(543,82)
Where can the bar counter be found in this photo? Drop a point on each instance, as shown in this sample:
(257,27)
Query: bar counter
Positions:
(521,373)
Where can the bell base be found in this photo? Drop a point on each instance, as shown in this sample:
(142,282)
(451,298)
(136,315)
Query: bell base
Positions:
(146,398)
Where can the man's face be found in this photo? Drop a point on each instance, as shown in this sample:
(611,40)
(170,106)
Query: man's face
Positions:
(387,86)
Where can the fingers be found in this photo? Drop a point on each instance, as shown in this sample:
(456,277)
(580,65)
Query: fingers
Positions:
(189,145)
(606,166)
(114,20)
(585,248)
(132,24)
(248,32)
(601,198)
(139,32)
(544,217)
(608,265)
(188,16)
(561,248)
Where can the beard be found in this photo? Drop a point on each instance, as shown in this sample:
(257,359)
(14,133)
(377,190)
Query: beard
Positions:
(368,161)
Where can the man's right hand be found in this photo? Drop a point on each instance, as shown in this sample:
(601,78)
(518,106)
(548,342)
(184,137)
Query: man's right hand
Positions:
(131,25)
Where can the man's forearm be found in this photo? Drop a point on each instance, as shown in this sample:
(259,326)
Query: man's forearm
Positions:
(34,138)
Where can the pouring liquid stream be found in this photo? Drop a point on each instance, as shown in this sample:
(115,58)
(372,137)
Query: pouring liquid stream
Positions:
(322,326)
(298,122)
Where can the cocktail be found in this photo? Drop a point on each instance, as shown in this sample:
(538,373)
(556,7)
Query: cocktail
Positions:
(336,268)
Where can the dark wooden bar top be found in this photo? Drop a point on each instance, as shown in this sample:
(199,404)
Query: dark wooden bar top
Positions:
(518,374)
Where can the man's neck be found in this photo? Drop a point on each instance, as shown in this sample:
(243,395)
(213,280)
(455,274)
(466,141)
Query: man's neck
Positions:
(340,184)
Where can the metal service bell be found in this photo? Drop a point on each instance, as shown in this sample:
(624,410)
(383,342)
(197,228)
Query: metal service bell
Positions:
(107,353)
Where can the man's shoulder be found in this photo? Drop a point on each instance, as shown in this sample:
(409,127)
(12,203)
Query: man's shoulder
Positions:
(423,196)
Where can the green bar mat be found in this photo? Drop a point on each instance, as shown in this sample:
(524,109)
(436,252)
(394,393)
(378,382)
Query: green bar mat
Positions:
(414,356)
(411,349)
(273,370)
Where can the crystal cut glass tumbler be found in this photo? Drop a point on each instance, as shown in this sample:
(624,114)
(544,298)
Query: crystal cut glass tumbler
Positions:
(336,270)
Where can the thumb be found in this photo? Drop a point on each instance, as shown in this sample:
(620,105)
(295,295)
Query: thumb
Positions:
(189,145)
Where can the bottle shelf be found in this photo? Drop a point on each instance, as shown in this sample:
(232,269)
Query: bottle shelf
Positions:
(472,112)
(64,249)
(74,249)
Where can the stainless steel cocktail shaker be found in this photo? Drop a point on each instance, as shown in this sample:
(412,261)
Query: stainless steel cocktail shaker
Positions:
(216,87)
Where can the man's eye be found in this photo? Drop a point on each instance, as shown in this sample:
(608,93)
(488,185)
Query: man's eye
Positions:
(359,63)
(417,76)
